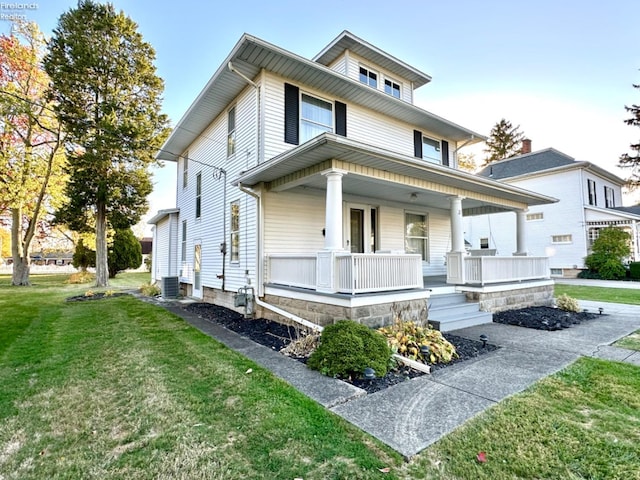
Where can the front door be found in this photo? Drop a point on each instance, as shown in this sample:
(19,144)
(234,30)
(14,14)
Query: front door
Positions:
(197,266)
(362,225)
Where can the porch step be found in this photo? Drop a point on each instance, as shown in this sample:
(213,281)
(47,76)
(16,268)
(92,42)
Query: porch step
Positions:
(452,311)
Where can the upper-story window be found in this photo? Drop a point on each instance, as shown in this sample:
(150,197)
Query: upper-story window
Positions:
(431,150)
(185,170)
(231,131)
(198,195)
(368,77)
(609,200)
(316,117)
(591,187)
(392,88)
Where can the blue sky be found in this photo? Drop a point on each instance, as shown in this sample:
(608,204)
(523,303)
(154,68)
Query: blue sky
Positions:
(562,70)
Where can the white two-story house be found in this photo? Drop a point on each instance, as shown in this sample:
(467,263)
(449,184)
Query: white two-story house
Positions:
(590,198)
(321,186)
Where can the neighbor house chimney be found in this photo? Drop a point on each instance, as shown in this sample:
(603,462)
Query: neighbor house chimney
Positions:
(526,146)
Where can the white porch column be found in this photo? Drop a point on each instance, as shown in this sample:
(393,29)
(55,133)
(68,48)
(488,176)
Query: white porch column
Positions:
(457,227)
(456,257)
(333,210)
(521,233)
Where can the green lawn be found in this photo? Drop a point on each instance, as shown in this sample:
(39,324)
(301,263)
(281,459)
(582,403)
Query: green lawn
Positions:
(602,294)
(118,388)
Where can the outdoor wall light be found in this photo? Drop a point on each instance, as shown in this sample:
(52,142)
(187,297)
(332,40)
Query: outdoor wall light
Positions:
(424,350)
(484,339)
(369,373)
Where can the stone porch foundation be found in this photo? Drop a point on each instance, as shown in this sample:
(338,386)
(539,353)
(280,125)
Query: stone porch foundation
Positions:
(498,298)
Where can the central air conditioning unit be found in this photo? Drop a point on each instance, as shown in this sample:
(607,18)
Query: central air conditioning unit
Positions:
(170,287)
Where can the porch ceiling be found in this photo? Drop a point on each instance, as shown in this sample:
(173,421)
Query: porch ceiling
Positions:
(381,174)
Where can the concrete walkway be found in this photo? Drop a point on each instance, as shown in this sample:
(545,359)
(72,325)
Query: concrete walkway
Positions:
(414,414)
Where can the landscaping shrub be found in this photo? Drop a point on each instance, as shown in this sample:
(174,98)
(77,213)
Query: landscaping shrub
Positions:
(567,303)
(608,253)
(406,337)
(634,270)
(347,348)
(150,289)
(81,277)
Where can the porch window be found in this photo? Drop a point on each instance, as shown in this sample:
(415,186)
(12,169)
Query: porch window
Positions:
(231,131)
(368,77)
(183,255)
(594,233)
(416,238)
(591,187)
(609,200)
(198,194)
(235,231)
(392,88)
(316,117)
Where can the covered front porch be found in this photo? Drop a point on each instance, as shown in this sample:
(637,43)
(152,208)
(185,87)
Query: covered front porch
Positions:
(363,220)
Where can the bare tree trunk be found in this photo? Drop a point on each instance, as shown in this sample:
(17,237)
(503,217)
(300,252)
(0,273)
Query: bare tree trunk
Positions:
(21,259)
(102,267)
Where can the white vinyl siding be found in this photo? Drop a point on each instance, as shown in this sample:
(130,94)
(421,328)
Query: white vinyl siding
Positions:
(211,148)
(165,248)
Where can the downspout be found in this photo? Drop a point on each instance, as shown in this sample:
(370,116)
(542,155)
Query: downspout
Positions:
(259,273)
(290,316)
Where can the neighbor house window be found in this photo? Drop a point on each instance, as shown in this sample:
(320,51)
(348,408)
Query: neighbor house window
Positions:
(183,257)
(531,217)
(561,239)
(235,231)
(198,194)
(392,88)
(185,170)
(368,77)
(609,200)
(431,150)
(556,272)
(316,117)
(594,233)
(231,131)
(416,239)
(484,242)
(591,186)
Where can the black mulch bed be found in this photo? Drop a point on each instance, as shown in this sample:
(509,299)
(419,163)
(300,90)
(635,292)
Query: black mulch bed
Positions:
(277,336)
(543,318)
(95,296)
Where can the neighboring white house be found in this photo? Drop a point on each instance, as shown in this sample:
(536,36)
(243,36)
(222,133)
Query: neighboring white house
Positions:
(319,184)
(590,198)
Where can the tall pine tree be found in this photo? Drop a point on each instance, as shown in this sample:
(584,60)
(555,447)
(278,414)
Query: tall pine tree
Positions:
(504,141)
(109,99)
(632,160)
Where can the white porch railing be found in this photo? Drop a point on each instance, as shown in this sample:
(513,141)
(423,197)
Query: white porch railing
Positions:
(484,270)
(374,272)
(352,273)
(292,270)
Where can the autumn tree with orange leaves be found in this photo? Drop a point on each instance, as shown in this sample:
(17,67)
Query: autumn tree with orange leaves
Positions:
(31,153)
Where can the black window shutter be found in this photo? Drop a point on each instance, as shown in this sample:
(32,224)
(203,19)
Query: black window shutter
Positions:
(341,118)
(444,146)
(417,143)
(291,113)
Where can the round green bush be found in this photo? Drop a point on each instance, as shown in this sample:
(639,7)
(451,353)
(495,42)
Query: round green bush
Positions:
(347,348)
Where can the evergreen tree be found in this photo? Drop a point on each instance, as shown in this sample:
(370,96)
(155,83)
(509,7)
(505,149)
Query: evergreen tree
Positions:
(109,100)
(633,160)
(505,141)
(126,252)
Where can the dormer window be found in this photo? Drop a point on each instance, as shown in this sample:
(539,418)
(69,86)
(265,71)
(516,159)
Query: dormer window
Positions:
(368,77)
(392,88)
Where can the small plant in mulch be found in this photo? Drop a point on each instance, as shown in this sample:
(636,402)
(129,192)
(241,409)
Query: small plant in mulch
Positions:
(302,346)
(406,338)
(567,303)
(91,295)
(347,348)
